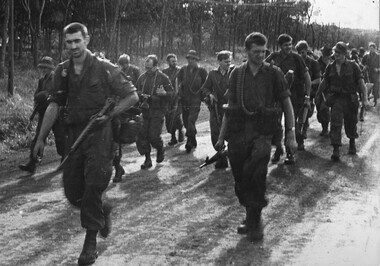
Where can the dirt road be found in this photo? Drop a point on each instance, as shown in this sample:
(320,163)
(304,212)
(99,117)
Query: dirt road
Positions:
(320,212)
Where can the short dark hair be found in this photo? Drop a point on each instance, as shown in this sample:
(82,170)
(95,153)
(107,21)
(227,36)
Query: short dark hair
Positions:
(255,38)
(76,27)
(154,59)
(223,55)
(123,59)
(283,38)
(170,56)
(302,45)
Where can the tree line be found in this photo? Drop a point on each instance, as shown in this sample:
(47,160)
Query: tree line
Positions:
(140,27)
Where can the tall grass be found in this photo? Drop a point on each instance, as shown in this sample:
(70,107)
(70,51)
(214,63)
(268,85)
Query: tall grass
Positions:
(15,110)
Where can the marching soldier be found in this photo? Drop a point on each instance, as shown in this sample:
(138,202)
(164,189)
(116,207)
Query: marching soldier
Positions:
(155,92)
(83,84)
(214,90)
(298,79)
(371,62)
(255,91)
(191,78)
(173,118)
(45,87)
(340,83)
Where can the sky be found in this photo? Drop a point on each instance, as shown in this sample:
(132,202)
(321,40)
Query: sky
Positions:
(360,14)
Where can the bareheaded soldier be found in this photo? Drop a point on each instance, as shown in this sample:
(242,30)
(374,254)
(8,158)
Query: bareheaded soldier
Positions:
(155,92)
(173,118)
(214,90)
(256,95)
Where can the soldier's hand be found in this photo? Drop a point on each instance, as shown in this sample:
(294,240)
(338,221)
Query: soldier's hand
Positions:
(161,91)
(219,145)
(212,99)
(38,150)
(102,119)
(290,140)
(366,105)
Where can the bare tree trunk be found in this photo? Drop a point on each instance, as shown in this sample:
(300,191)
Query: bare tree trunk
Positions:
(11,49)
(4,38)
(112,51)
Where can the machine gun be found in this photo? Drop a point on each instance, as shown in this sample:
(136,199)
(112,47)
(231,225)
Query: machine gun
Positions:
(219,154)
(110,103)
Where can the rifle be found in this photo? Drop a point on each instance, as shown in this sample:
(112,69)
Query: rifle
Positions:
(110,103)
(35,111)
(219,154)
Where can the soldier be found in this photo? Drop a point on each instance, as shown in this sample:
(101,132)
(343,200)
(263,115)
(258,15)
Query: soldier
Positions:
(371,62)
(82,84)
(173,118)
(132,72)
(255,91)
(298,79)
(214,90)
(155,91)
(315,75)
(323,111)
(341,80)
(190,79)
(45,85)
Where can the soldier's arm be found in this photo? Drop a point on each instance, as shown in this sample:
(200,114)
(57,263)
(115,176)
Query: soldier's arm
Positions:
(48,121)
(206,88)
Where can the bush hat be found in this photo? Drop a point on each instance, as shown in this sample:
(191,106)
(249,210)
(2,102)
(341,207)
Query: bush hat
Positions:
(340,47)
(192,54)
(46,62)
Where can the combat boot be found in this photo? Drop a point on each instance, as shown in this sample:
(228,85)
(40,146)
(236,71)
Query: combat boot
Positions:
(325,131)
(160,155)
(28,167)
(254,224)
(301,145)
(242,228)
(106,230)
(188,145)
(89,254)
(180,136)
(119,172)
(147,163)
(289,157)
(336,154)
(277,154)
(352,147)
(173,140)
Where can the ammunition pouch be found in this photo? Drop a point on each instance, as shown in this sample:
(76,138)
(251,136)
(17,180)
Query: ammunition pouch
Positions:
(126,126)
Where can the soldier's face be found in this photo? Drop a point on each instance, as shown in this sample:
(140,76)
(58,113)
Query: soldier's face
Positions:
(149,66)
(372,49)
(225,63)
(192,62)
(173,62)
(256,53)
(303,53)
(286,47)
(76,44)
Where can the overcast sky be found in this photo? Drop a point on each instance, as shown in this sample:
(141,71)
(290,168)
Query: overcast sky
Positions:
(361,14)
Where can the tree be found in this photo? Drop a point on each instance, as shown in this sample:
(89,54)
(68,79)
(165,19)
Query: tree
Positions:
(4,9)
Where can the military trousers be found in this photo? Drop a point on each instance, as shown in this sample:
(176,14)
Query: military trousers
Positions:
(190,116)
(344,112)
(173,119)
(87,172)
(150,134)
(249,165)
